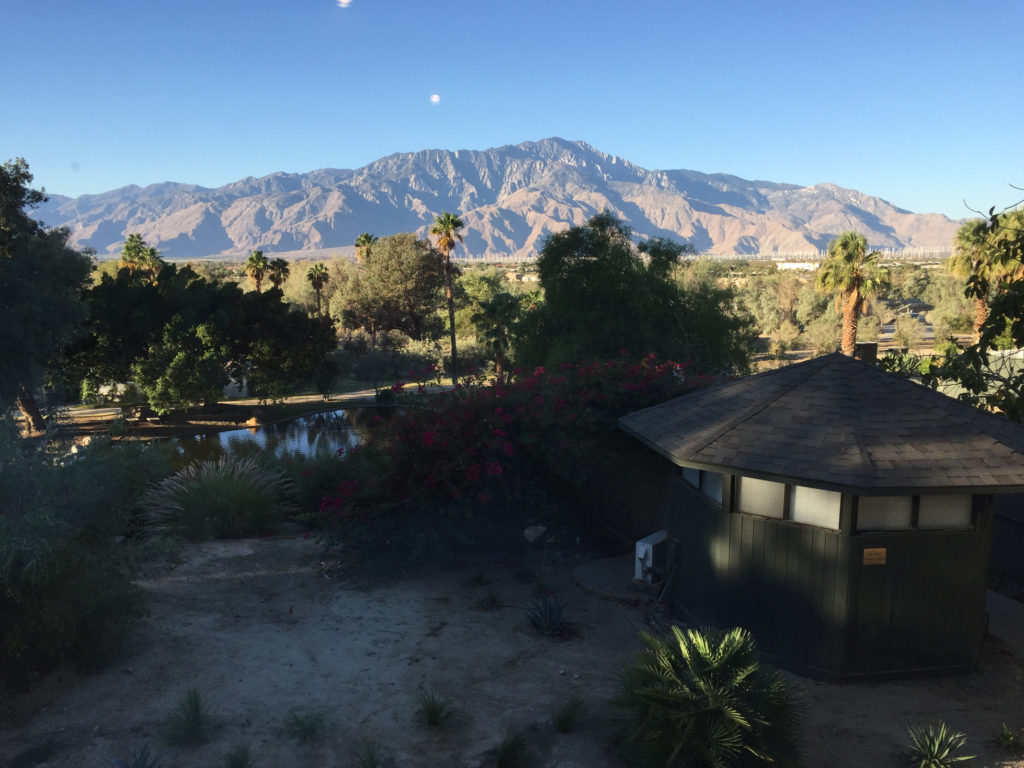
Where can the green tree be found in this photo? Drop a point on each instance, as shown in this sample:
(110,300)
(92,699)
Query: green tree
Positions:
(363,245)
(257,266)
(399,288)
(446,229)
(278,271)
(975,255)
(604,295)
(318,277)
(41,285)
(852,275)
(142,261)
(495,322)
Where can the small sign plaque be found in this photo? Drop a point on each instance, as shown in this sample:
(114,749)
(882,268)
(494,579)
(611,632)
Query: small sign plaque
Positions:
(874,555)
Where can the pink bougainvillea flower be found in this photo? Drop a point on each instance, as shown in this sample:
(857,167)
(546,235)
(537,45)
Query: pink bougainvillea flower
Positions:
(494,469)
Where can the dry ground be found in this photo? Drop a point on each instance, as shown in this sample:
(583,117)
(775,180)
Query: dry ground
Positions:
(262,631)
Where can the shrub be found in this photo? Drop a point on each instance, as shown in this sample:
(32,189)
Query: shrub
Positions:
(306,727)
(547,615)
(567,715)
(372,755)
(227,498)
(701,698)
(237,757)
(189,724)
(934,746)
(435,710)
(140,758)
(67,553)
(510,752)
(1007,739)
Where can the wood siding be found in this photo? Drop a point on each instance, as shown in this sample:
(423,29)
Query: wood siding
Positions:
(812,603)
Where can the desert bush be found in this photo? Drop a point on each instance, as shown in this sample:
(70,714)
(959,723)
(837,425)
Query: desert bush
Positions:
(237,757)
(190,723)
(307,727)
(702,698)
(510,751)
(546,615)
(1007,739)
(934,746)
(67,552)
(139,758)
(224,499)
(434,709)
(565,717)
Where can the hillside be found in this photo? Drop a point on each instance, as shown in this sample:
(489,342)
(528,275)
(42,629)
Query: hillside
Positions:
(510,198)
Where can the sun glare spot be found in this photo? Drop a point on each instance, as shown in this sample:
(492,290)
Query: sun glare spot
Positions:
(435,98)
(344,3)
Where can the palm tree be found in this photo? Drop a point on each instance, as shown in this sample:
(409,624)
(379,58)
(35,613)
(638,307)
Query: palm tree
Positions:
(446,230)
(318,277)
(702,699)
(363,244)
(136,256)
(852,274)
(278,271)
(973,256)
(257,266)
(494,321)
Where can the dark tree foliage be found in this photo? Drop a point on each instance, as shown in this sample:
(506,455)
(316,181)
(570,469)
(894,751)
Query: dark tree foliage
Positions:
(603,295)
(181,338)
(41,280)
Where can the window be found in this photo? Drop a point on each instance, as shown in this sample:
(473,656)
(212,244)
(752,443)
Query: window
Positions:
(884,513)
(812,506)
(709,483)
(944,513)
(760,497)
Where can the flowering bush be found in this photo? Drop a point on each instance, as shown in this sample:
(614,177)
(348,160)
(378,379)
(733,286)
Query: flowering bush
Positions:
(481,444)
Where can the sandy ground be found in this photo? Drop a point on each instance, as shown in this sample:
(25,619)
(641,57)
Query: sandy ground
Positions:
(262,630)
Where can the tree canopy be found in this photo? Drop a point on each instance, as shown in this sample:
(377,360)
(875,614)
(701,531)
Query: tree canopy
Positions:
(851,274)
(41,284)
(603,295)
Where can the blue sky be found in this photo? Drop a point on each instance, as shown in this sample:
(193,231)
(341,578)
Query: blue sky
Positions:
(918,102)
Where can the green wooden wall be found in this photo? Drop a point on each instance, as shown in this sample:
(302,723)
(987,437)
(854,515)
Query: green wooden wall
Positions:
(811,601)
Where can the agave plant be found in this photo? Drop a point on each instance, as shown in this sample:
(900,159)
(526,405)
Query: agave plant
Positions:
(547,615)
(701,698)
(227,498)
(934,746)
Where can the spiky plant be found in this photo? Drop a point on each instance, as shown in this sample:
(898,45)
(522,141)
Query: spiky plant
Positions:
(934,746)
(372,755)
(237,757)
(567,715)
(701,698)
(547,615)
(227,498)
(140,758)
(435,709)
(510,752)
(305,727)
(189,724)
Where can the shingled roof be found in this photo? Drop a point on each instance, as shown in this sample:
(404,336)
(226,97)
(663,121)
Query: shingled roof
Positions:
(835,422)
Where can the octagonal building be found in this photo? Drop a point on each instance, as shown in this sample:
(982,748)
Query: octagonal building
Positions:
(842,514)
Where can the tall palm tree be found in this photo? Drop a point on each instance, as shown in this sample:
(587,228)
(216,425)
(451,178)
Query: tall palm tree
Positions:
(494,321)
(446,230)
(363,244)
(973,256)
(136,256)
(257,266)
(318,277)
(278,271)
(852,274)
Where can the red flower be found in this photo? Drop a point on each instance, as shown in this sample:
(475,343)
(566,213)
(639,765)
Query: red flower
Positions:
(397,387)
(307,473)
(473,473)
(429,438)
(494,469)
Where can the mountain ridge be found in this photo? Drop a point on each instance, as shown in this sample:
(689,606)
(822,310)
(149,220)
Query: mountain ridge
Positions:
(510,198)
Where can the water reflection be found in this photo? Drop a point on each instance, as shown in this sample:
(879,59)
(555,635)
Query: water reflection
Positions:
(321,432)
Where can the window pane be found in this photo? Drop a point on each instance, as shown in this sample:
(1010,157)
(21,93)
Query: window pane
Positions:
(692,476)
(816,507)
(711,485)
(760,497)
(884,513)
(948,513)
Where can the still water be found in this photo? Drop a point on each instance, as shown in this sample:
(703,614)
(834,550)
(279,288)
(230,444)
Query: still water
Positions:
(324,431)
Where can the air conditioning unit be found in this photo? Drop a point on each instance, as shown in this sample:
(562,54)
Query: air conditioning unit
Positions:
(650,558)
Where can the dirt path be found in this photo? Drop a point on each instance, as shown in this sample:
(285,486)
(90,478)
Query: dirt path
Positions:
(262,632)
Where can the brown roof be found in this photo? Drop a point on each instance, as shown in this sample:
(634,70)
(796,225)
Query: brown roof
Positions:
(835,422)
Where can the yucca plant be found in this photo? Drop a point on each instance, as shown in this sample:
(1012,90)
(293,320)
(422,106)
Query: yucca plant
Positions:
(189,724)
(140,758)
(547,615)
(934,746)
(223,499)
(237,757)
(702,698)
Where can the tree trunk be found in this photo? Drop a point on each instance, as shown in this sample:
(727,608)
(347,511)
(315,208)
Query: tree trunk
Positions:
(980,315)
(29,408)
(451,317)
(851,314)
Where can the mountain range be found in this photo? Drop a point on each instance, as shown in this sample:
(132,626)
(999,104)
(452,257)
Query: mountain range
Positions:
(510,198)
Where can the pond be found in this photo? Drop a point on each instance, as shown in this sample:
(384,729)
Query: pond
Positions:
(321,432)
